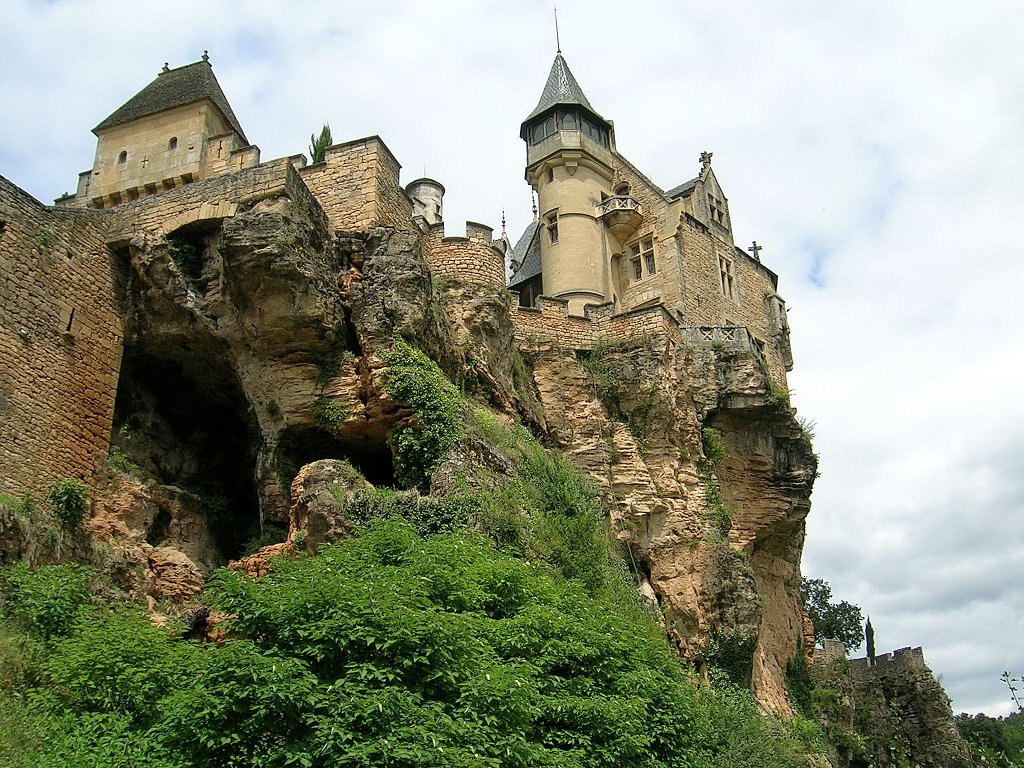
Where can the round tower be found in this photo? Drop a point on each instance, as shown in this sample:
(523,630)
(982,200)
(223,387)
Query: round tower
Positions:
(427,198)
(569,165)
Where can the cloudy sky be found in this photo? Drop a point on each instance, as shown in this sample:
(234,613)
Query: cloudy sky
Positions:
(876,149)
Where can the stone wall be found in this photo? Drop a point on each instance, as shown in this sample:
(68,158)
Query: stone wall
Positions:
(550,324)
(357,186)
(60,340)
(470,259)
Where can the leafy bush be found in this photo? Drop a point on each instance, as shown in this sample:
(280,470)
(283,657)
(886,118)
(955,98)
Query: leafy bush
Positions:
(329,413)
(46,601)
(714,449)
(69,500)
(414,379)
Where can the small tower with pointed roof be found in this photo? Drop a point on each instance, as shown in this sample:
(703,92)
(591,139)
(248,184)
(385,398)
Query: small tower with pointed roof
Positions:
(569,165)
(178,129)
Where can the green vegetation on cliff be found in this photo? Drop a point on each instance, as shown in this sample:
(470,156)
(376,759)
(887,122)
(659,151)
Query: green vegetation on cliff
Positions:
(495,626)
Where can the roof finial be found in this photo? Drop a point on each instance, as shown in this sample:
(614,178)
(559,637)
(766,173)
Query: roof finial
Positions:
(166,68)
(533,197)
(503,232)
(705,160)
(558,42)
(206,56)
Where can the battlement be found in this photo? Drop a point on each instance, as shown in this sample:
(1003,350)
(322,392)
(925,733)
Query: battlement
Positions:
(901,661)
(357,186)
(474,258)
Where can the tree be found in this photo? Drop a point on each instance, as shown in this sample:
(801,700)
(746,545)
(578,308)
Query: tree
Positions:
(318,144)
(869,638)
(834,621)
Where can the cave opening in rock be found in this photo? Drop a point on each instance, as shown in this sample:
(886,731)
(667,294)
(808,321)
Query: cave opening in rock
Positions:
(182,418)
(368,454)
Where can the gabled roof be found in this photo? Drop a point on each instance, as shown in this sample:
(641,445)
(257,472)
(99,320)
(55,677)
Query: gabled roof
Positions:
(561,89)
(175,88)
(683,190)
(527,254)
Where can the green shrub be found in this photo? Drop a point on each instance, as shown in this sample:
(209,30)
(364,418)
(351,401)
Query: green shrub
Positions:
(714,449)
(415,380)
(69,501)
(187,256)
(329,413)
(46,601)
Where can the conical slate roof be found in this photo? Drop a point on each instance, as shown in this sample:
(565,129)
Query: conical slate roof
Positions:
(560,89)
(175,88)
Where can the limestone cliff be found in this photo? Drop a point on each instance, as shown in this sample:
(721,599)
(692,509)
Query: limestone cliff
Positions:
(253,347)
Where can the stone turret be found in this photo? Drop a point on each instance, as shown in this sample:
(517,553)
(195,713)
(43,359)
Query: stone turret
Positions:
(427,198)
(569,164)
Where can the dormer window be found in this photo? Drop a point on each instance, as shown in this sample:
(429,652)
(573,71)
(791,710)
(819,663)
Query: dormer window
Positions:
(172,144)
(122,158)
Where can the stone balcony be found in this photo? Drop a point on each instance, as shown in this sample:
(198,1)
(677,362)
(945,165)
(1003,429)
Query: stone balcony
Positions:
(622,215)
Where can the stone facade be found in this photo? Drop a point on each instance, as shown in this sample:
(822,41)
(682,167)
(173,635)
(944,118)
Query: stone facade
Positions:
(608,235)
(60,340)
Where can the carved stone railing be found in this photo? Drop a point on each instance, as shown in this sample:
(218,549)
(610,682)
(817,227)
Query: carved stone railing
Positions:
(728,336)
(622,215)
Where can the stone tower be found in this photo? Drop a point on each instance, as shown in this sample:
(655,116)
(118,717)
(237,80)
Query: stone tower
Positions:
(569,165)
(177,130)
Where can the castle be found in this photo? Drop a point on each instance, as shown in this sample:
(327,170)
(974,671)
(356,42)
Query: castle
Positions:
(608,255)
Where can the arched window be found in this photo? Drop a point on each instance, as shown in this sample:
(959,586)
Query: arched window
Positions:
(622,190)
(122,158)
(173,143)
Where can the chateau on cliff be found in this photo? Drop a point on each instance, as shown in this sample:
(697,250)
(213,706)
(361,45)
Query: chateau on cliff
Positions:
(608,254)
(222,318)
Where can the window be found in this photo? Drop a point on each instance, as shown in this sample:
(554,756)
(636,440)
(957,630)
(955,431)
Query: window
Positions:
(728,277)
(642,257)
(172,144)
(595,132)
(122,158)
(551,220)
(569,121)
(542,130)
(717,208)
(551,174)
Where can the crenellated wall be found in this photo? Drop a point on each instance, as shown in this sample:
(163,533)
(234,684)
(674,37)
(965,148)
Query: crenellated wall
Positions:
(471,259)
(357,186)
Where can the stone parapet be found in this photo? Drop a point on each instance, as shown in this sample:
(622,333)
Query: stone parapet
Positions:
(357,186)
(550,323)
(469,259)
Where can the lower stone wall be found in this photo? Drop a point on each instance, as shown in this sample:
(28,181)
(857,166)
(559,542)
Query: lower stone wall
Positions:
(463,259)
(214,198)
(550,323)
(60,342)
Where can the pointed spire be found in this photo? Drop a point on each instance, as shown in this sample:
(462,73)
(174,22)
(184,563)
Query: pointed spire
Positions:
(561,88)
